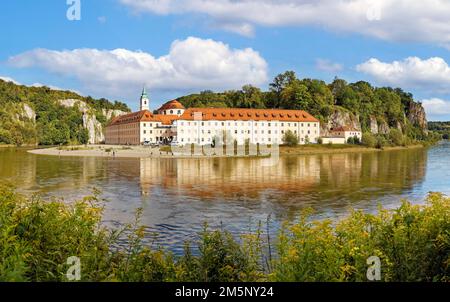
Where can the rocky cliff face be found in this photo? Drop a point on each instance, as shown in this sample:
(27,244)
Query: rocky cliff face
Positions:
(28,112)
(90,122)
(417,116)
(340,118)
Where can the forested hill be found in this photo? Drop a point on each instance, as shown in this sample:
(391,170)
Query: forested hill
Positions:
(40,115)
(360,105)
(442,128)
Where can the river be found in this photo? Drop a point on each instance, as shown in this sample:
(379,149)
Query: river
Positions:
(178,195)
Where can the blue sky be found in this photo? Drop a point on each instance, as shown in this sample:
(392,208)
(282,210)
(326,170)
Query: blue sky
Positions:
(179,47)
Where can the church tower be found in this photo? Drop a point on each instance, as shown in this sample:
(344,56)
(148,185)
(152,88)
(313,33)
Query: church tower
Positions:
(145,102)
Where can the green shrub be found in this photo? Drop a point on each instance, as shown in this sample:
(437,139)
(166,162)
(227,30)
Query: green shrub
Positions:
(290,139)
(369,140)
(37,237)
(396,137)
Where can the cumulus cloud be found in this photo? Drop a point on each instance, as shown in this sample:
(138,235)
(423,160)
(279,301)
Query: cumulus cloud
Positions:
(328,66)
(431,74)
(436,107)
(397,20)
(8,79)
(190,64)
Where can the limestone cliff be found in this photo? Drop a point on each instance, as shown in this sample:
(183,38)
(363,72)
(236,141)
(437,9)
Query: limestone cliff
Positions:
(414,114)
(339,118)
(90,122)
(417,116)
(28,112)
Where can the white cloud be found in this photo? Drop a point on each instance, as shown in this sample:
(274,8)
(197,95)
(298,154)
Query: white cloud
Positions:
(328,66)
(432,74)
(399,20)
(191,64)
(8,79)
(436,107)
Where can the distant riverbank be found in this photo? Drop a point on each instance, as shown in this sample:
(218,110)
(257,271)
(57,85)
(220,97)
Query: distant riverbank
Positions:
(145,152)
(331,149)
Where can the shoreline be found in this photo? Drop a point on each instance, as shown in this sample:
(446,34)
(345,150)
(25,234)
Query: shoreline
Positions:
(147,152)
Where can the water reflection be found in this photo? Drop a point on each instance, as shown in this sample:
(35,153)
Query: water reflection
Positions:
(179,195)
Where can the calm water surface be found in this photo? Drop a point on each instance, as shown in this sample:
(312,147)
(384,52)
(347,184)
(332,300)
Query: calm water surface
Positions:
(179,195)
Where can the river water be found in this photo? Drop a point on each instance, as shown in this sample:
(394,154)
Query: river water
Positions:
(178,195)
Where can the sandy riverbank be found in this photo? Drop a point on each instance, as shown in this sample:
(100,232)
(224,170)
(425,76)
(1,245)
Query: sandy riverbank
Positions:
(144,152)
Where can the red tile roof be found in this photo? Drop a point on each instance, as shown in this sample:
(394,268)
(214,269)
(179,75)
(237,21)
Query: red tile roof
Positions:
(172,105)
(248,114)
(219,114)
(143,116)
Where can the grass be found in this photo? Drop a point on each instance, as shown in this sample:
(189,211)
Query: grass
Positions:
(37,236)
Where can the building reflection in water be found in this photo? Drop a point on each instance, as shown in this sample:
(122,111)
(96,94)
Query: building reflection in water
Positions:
(178,195)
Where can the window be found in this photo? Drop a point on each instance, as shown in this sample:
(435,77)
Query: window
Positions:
(171,111)
(179,112)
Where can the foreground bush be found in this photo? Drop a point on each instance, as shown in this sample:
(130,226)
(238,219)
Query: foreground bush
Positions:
(37,237)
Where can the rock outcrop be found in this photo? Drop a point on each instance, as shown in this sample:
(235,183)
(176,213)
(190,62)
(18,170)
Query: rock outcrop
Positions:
(383,127)
(373,125)
(90,122)
(340,118)
(110,113)
(417,116)
(26,112)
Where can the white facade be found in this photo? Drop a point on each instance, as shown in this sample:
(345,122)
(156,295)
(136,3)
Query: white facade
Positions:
(262,132)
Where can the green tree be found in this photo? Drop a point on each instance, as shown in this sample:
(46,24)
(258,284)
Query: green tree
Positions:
(290,138)
(369,140)
(396,137)
(279,83)
(296,96)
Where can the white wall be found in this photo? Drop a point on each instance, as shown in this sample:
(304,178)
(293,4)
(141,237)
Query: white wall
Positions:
(264,132)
